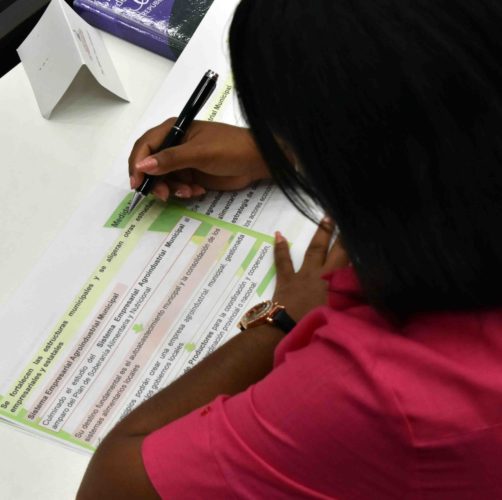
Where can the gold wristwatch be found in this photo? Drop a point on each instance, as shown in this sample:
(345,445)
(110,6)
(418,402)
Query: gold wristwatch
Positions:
(267,313)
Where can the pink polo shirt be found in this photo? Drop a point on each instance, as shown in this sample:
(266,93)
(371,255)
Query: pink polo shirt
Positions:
(353,409)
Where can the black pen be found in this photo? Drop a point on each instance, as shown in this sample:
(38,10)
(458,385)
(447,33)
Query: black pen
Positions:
(199,97)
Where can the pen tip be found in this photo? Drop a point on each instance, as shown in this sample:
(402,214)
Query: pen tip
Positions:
(135,201)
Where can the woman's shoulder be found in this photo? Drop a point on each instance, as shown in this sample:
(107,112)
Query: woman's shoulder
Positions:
(425,395)
(440,370)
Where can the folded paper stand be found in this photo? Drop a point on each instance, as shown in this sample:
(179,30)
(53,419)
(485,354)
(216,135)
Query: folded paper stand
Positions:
(59,50)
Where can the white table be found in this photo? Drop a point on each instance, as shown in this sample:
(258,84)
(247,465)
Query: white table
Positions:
(47,165)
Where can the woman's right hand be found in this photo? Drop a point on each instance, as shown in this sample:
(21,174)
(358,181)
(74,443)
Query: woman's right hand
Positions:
(213,156)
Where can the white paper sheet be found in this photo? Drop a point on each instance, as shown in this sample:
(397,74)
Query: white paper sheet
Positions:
(121,306)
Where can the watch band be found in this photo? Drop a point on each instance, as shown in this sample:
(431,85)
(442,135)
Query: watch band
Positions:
(283,321)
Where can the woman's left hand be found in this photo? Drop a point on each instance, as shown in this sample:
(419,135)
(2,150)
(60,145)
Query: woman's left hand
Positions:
(302,291)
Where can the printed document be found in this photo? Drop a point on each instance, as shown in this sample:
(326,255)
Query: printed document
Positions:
(123,304)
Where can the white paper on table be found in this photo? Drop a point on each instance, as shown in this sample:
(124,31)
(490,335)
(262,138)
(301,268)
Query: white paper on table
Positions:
(58,50)
(75,365)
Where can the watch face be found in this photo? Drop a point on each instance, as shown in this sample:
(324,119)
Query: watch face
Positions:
(258,311)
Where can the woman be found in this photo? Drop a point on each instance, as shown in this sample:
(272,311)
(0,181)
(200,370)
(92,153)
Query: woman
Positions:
(389,114)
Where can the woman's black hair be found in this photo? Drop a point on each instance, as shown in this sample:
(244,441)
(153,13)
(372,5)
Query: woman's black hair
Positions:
(394,111)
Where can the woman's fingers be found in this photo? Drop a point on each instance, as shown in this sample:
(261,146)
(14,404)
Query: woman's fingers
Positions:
(213,156)
(165,188)
(179,189)
(169,160)
(183,190)
(139,151)
(337,257)
(197,190)
(145,157)
(283,263)
(147,144)
(185,176)
(315,256)
(318,255)
(161,190)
